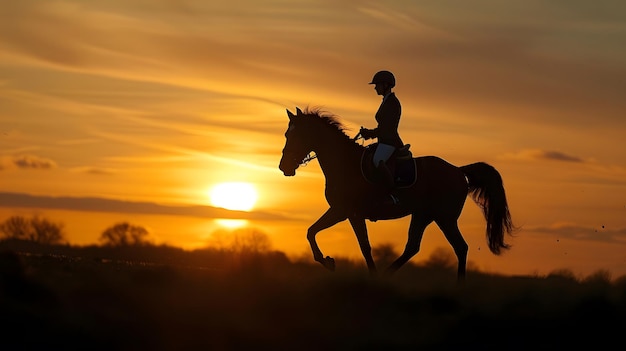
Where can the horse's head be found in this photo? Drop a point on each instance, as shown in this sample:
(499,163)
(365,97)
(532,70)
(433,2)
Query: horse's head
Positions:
(297,146)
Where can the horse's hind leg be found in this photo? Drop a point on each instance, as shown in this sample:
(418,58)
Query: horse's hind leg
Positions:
(451,231)
(360,230)
(416,232)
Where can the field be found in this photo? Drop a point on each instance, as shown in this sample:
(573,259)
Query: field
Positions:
(159,298)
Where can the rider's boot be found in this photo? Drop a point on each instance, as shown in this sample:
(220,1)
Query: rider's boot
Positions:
(386,179)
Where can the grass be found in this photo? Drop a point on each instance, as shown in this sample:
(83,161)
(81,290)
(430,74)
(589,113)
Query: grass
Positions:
(159,298)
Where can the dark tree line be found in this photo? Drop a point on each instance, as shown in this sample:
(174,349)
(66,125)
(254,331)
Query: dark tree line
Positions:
(44,231)
(35,229)
(125,234)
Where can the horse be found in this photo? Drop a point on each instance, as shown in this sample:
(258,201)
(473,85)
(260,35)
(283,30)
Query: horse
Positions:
(438,194)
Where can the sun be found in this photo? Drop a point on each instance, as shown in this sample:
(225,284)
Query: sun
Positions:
(238,196)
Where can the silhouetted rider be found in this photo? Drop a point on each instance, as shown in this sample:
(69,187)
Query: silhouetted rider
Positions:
(388,118)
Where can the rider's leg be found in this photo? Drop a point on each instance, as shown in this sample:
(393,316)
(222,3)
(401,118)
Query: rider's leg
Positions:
(386,177)
(381,155)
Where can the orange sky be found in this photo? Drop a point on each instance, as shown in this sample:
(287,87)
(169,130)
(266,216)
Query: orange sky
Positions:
(157,100)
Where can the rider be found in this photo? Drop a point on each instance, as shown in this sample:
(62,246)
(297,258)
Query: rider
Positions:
(388,118)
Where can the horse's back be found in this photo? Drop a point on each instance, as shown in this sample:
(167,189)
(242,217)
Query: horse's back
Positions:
(436,165)
(438,179)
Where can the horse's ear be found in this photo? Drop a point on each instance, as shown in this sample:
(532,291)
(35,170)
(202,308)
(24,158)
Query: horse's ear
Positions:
(298,111)
(290,114)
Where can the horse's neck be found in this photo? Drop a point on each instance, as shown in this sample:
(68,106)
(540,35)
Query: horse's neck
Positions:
(339,163)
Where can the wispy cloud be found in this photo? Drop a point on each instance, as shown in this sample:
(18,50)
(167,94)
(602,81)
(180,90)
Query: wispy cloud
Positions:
(403,20)
(78,142)
(94,170)
(28,162)
(547,155)
(93,204)
(569,230)
(494,59)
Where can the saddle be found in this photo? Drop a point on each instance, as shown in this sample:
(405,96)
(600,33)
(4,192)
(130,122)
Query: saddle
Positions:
(401,165)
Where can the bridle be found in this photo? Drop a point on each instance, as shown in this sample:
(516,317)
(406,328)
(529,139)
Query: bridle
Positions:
(308,158)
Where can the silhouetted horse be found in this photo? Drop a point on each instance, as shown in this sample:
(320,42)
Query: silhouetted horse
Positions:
(437,195)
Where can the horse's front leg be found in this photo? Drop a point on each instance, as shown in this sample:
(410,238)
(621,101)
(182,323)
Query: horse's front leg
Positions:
(360,229)
(328,219)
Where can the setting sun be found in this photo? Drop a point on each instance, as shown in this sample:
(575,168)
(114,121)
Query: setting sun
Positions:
(237,196)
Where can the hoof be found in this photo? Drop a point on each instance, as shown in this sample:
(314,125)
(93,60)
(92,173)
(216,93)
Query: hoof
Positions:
(329,263)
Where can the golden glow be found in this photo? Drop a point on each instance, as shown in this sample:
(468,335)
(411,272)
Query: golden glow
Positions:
(239,196)
(169,117)
(231,223)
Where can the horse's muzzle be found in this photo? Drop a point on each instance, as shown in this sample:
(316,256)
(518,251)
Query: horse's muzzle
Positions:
(288,169)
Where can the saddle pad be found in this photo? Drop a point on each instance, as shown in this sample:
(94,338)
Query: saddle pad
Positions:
(405,173)
(405,169)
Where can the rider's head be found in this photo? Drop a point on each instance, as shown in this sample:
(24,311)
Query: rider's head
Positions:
(384,77)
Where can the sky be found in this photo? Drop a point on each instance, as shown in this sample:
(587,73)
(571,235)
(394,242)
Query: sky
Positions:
(155,101)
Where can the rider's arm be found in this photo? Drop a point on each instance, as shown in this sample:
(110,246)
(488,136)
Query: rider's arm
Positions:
(368,133)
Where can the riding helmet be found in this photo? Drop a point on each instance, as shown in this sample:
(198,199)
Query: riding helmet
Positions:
(384,77)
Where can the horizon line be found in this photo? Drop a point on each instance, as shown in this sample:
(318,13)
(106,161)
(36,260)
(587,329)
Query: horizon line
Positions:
(99,204)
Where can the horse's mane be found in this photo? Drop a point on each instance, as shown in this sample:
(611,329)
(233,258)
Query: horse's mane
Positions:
(329,119)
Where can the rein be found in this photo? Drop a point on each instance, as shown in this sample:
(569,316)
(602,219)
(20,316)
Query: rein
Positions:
(308,158)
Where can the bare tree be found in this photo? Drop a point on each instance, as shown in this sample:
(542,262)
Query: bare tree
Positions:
(384,254)
(441,258)
(45,231)
(250,241)
(125,234)
(15,227)
(36,229)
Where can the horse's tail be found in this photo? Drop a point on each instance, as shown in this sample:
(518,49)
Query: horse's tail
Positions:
(487,190)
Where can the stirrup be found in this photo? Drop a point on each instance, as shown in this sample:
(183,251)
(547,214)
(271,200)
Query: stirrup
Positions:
(394,199)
